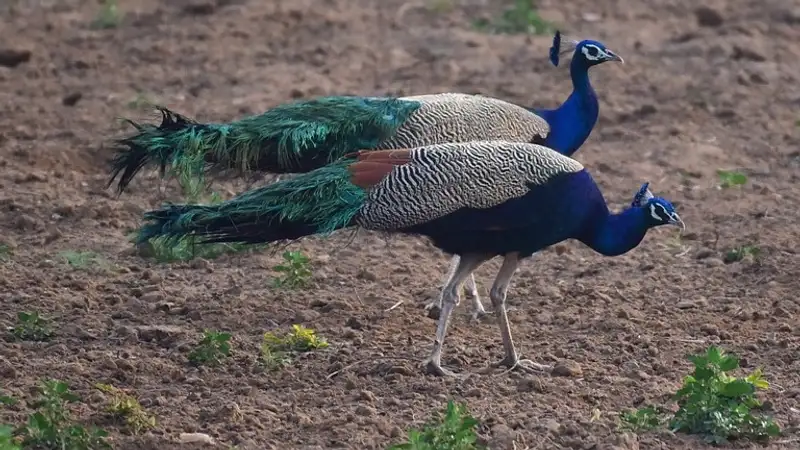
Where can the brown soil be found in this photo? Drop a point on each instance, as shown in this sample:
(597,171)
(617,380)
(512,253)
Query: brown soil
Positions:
(690,98)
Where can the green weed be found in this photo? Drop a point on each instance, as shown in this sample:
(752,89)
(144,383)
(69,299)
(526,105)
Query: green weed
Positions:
(521,17)
(730,178)
(52,427)
(456,431)
(712,403)
(6,252)
(32,327)
(277,351)
(737,254)
(125,407)
(212,349)
(81,260)
(108,17)
(295,271)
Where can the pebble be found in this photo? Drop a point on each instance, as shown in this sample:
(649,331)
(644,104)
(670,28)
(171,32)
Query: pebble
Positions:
(708,17)
(568,369)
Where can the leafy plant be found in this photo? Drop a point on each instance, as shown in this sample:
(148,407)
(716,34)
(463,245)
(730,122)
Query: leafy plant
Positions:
(6,252)
(109,15)
(7,441)
(731,178)
(52,427)
(212,349)
(295,270)
(81,260)
(642,419)
(127,408)
(32,327)
(737,254)
(277,351)
(521,17)
(456,431)
(714,404)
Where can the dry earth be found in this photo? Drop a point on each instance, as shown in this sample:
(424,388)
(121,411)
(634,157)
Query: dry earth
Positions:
(698,92)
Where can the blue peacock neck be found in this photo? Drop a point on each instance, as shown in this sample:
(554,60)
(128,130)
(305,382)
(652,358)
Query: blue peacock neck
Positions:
(616,234)
(572,122)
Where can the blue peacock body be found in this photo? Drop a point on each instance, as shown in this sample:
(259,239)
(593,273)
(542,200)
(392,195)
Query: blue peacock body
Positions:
(476,200)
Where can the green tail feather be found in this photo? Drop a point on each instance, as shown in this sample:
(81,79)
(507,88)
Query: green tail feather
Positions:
(318,202)
(290,138)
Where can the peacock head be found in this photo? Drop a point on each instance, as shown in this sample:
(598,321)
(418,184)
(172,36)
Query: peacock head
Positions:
(659,211)
(586,52)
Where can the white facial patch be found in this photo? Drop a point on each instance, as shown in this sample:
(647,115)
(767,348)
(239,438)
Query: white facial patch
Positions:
(599,54)
(655,215)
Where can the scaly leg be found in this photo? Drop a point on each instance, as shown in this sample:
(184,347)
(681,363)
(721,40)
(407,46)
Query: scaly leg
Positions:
(473,290)
(450,299)
(498,296)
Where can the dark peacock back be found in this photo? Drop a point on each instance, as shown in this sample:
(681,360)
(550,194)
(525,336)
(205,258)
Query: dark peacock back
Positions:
(454,117)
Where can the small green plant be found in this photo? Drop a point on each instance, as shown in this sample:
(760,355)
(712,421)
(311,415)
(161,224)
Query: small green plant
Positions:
(7,440)
(81,260)
(456,431)
(277,351)
(521,17)
(52,426)
(127,408)
(6,252)
(295,270)
(32,327)
(713,403)
(212,349)
(737,254)
(109,15)
(642,419)
(731,178)
(441,6)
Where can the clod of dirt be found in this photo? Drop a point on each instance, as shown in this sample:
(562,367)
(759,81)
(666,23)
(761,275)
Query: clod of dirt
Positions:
(568,369)
(164,335)
(25,222)
(71,99)
(747,54)
(708,17)
(200,7)
(12,58)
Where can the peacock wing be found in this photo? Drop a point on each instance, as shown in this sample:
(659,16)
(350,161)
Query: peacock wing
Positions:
(438,180)
(454,117)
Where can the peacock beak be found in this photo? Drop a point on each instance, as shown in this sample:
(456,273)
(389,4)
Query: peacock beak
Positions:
(615,57)
(676,220)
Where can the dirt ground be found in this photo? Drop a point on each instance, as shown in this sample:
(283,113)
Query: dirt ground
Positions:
(699,91)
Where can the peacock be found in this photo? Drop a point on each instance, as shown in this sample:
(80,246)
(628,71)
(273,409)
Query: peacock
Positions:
(475,200)
(305,135)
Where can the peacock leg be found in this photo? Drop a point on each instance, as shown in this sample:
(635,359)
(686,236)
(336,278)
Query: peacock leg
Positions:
(473,291)
(450,299)
(476,298)
(449,277)
(498,296)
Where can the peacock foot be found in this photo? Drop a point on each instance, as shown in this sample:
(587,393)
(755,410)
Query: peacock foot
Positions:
(480,314)
(525,365)
(433,368)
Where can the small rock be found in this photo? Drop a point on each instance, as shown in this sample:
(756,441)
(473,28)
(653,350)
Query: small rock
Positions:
(306,316)
(366,396)
(365,411)
(686,304)
(568,369)
(552,426)
(152,297)
(354,323)
(12,57)
(704,253)
(530,385)
(503,435)
(200,8)
(748,54)
(708,17)
(165,335)
(25,222)
(196,438)
(365,274)
(202,264)
(71,99)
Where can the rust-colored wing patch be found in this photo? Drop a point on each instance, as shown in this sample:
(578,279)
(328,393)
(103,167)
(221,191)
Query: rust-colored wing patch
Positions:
(372,166)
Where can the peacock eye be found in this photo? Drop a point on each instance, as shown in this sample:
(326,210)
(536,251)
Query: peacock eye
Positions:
(592,50)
